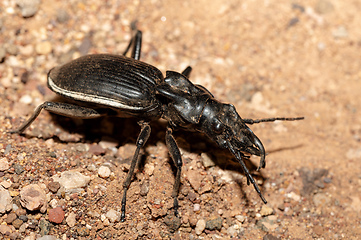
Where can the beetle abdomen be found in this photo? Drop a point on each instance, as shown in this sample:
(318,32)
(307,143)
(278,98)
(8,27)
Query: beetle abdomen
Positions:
(111,80)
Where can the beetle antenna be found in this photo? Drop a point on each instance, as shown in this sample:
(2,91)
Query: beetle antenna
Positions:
(250,179)
(252,121)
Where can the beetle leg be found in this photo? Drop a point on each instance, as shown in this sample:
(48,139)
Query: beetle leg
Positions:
(177,159)
(136,41)
(142,139)
(65,109)
(186,72)
(249,177)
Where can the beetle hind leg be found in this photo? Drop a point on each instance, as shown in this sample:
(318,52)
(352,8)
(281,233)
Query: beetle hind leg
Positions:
(64,109)
(141,140)
(177,159)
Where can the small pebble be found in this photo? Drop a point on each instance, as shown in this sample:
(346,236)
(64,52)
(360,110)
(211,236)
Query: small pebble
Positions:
(5,230)
(62,15)
(321,199)
(270,237)
(26,99)
(18,168)
(6,184)
(265,210)
(207,161)
(240,218)
(53,203)
(44,226)
(28,8)
(327,180)
(5,200)
(56,215)
(196,207)
(104,172)
(33,197)
(173,223)
(43,48)
(72,180)
(23,218)
(17,223)
(144,188)
(214,224)
(23,227)
(113,215)
(340,32)
(47,237)
(54,186)
(10,218)
(83,231)
(200,226)
(71,219)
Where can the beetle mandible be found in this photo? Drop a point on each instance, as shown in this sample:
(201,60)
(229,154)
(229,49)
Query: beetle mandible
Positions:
(104,84)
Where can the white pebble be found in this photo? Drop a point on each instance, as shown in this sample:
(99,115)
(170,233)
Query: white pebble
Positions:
(113,215)
(200,226)
(26,99)
(196,207)
(104,172)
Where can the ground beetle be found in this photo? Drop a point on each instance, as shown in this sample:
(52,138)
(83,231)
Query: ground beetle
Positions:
(116,85)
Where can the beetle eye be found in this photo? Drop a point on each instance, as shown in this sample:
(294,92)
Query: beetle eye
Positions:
(217,127)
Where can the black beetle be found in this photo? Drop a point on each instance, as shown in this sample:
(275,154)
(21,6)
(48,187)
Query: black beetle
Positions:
(116,85)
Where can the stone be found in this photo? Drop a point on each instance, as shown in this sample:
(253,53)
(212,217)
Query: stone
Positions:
(44,226)
(71,219)
(56,215)
(33,197)
(172,222)
(265,210)
(54,186)
(113,215)
(28,8)
(43,48)
(10,218)
(5,200)
(200,226)
(72,180)
(4,164)
(214,224)
(104,172)
(5,230)
(321,199)
(17,223)
(47,237)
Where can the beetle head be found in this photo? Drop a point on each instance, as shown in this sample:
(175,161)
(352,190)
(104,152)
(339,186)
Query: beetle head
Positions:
(222,123)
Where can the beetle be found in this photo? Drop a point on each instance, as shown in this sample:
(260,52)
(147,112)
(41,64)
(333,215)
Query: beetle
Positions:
(115,85)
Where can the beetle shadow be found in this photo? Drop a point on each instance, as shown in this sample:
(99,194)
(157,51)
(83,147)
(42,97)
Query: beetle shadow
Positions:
(126,130)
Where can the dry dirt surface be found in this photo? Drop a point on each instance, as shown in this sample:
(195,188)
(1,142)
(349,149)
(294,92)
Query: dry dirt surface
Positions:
(268,58)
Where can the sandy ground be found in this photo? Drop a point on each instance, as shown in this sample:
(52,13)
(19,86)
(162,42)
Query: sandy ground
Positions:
(268,58)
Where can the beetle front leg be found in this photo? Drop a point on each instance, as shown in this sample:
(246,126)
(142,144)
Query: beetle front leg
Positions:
(177,159)
(65,109)
(142,139)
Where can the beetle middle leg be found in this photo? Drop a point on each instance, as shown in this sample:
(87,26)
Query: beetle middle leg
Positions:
(136,41)
(64,109)
(141,140)
(177,159)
